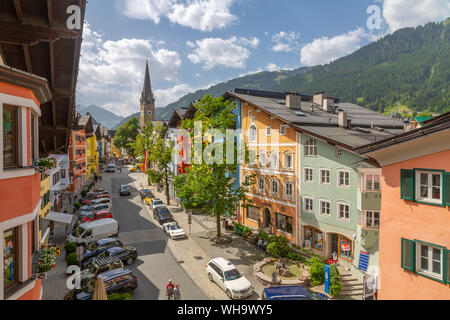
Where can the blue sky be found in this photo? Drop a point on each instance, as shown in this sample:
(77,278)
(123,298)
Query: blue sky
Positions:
(192,44)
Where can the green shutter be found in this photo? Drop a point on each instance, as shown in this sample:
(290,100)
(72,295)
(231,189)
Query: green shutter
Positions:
(407,184)
(447,266)
(446,188)
(408,255)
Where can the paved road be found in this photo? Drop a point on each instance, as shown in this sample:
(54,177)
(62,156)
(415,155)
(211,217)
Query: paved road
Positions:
(155,264)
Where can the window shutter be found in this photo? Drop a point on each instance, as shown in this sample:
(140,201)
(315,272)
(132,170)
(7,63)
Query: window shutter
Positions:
(447,189)
(408,255)
(447,266)
(407,184)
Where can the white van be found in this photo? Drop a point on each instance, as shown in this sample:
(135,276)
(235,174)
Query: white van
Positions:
(93,231)
(111,168)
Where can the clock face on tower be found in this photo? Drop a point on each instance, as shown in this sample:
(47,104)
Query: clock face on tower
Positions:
(149,112)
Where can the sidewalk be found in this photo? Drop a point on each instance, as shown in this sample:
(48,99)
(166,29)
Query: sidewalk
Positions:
(194,252)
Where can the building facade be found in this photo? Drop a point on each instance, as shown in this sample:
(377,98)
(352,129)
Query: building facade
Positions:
(77,157)
(21,95)
(415,225)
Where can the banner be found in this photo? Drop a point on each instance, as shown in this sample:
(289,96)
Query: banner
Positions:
(145,161)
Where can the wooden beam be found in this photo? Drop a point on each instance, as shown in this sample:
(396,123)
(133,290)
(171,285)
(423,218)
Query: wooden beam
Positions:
(54,113)
(50,13)
(55,145)
(52,64)
(26,53)
(17,33)
(51,128)
(44,145)
(18,8)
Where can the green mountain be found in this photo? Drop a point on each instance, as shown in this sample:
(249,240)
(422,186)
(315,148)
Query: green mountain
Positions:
(410,67)
(102,116)
(136,115)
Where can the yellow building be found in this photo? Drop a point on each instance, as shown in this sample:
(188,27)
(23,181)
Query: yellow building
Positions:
(115,152)
(45,202)
(91,156)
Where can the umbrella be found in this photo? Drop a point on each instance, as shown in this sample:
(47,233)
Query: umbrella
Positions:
(99,290)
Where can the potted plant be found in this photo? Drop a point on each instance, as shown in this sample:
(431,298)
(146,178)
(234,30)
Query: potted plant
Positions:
(76,206)
(46,262)
(43,165)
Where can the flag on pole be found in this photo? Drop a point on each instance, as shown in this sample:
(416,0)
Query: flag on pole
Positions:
(145,161)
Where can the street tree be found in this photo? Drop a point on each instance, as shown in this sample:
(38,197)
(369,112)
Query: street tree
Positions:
(209,184)
(125,136)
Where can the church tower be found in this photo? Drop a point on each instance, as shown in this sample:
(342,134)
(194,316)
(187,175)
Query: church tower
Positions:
(147,100)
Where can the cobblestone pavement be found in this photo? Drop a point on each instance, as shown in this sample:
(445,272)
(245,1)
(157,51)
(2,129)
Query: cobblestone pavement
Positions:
(194,252)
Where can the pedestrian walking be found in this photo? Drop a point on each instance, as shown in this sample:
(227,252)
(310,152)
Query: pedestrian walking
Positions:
(169,290)
(176,292)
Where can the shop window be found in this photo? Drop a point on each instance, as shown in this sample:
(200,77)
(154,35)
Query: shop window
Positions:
(10,133)
(284,223)
(345,248)
(313,238)
(10,257)
(253,213)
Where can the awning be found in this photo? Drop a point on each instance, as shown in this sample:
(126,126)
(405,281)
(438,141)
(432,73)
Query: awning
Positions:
(63,218)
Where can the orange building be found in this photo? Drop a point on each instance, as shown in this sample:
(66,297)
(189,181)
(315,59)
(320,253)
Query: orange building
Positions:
(414,259)
(21,95)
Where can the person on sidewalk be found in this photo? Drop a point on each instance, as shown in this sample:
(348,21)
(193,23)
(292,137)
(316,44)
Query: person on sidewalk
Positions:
(169,290)
(176,292)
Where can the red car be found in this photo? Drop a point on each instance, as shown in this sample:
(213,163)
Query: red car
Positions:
(97,216)
(100,196)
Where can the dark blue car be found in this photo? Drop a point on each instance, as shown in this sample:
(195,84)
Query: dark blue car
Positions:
(291,293)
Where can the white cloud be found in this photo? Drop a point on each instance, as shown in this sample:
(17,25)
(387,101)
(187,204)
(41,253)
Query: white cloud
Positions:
(213,52)
(112,72)
(272,67)
(285,41)
(324,50)
(204,15)
(166,96)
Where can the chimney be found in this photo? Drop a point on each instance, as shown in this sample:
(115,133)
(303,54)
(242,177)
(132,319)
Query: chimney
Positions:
(342,121)
(294,101)
(318,98)
(328,105)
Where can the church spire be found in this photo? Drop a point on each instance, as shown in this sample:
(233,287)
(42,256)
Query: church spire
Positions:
(147,94)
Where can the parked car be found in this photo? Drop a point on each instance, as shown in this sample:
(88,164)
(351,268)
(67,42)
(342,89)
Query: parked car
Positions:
(99,190)
(99,265)
(155,202)
(95,230)
(117,280)
(126,254)
(100,193)
(149,198)
(97,247)
(111,168)
(162,215)
(227,277)
(174,230)
(144,193)
(95,202)
(97,216)
(291,293)
(97,197)
(124,190)
(95,208)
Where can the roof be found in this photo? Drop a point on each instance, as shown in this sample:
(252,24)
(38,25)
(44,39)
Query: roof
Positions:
(437,124)
(177,116)
(35,38)
(367,126)
(147,93)
(97,222)
(85,122)
(224,264)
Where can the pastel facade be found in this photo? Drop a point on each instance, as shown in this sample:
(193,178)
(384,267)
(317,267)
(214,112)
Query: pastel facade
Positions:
(414,240)
(21,95)
(77,157)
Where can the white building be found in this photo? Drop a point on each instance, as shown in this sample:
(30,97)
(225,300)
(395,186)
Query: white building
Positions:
(59,179)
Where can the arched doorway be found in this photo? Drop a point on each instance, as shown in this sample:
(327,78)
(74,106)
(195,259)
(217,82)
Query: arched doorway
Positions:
(266,218)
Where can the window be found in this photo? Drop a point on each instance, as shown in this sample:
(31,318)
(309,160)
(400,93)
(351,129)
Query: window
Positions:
(344,179)
(253,213)
(252,133)
(10,142)
(63,173)
(372,219)
(313,238)
(308,204)
(283,222)
(10,257)
(261,184)
(311,147)
(429,260)
(325,207)
(308,175)
(268,130)
(429,187)
(324,176)
(288,161)
(274,159)
(372,181)
(288,190)
(275,187)
(343,211)
(338,152)
(345,248)
(33,139)
(282,130)
(262,158)
(250,114)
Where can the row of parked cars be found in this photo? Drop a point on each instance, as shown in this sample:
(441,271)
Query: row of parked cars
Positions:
(162,215)
(104,255)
